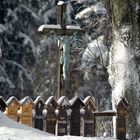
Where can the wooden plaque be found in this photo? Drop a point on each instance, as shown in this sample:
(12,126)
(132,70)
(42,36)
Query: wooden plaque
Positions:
(51,106)
(12,108)
(62,119)
(25,113)
(38,117)
(88,116)
(75,121)
(121,118)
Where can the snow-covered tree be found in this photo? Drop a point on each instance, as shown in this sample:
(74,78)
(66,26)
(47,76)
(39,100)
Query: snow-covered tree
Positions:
(94,18)
(17,30)
(124,72)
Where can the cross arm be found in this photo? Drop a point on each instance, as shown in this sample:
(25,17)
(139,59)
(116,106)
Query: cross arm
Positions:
(69,30)
(46,29)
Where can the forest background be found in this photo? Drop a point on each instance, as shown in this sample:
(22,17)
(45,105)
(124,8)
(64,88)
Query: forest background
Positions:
(28,60)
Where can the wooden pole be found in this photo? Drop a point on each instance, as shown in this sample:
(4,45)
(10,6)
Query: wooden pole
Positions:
(58,72)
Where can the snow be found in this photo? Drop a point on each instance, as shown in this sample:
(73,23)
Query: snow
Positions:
(33,14)
(98,9)
(44,112)
(63,101)
(69,111)
(88,98)
(8,102)
(26,99)
(124,74)
(7,80)
(50,13)
(27,74)
(57,112)
(60,3)
(138,119)
(85,13)
(11,130)
(27,41)
(96,49)
(2,28)
(74,99)
(39,98)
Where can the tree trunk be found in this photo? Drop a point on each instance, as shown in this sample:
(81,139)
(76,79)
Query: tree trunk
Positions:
(123,66)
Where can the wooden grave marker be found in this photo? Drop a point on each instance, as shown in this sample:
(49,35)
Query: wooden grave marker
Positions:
(38,116)
(12,108)
(89,108)
(76,105)
(25,112)
(121,108)
(62,116)
(51,105)
(2,104)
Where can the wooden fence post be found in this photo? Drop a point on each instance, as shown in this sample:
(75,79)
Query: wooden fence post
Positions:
(2,104)
(62,116)
(38,116)
(12,108)
(121,108)
(88,117)
(50,106)
(75,121)
(25,112)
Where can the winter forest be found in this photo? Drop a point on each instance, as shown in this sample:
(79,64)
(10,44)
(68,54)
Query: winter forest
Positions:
(103,62)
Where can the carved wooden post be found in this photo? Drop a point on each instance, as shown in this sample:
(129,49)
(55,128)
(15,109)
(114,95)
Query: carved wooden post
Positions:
(50,106)
(121,108)
(12,108)
(2,104)
(75,121)
(88,117)
(62,116)
(25,112)
(38,116)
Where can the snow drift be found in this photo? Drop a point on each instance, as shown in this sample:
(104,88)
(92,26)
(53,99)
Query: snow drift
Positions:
(11,130)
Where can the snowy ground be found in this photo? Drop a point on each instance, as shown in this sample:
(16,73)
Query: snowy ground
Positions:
(11,130)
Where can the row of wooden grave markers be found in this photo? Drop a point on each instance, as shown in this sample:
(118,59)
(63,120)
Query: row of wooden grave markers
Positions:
(63,117)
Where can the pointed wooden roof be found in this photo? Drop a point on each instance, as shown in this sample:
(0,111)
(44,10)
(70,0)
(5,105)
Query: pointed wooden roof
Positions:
(51,100)
(91,100)
(122,101)
(11,99)
(75,99)
(63,101)
(39,99)
(26,99)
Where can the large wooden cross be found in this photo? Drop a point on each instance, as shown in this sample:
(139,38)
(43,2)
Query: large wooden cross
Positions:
(60,29)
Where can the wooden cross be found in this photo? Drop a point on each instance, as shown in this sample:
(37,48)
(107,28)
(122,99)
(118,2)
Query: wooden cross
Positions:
(60,29)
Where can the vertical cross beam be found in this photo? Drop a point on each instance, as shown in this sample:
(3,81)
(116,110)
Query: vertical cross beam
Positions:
(61,19)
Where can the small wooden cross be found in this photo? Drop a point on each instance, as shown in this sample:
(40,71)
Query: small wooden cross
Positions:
(60,29)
